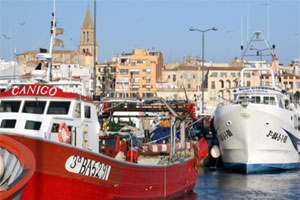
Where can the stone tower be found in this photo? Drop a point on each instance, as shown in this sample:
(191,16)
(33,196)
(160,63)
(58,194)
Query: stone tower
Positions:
(86,44)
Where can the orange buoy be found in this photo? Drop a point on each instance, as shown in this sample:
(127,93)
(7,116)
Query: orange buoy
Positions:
(67,133)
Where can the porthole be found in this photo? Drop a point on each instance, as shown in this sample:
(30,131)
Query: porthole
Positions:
(228,123)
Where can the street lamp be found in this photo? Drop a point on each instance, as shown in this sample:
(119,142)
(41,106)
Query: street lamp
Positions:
(203,31)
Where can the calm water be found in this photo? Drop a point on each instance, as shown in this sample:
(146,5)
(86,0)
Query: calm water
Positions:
(221,184)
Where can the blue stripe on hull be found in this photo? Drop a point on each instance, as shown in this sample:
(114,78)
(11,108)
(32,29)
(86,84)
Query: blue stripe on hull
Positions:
(260,168)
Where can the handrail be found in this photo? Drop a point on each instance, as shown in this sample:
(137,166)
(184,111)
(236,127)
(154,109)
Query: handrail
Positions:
(257,69)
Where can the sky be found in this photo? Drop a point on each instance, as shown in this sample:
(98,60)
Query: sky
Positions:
(158,25)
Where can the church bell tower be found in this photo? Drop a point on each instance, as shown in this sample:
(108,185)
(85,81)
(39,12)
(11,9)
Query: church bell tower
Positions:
(86,44)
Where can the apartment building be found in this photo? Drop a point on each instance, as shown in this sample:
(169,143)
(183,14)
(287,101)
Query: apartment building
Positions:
(179,80)
(137,73)
(106,79)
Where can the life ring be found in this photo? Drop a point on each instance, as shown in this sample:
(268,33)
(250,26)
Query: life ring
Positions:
(61,127)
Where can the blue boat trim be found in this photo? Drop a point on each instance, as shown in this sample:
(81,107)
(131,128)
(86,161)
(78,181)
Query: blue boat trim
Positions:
(294,139)
(259,168)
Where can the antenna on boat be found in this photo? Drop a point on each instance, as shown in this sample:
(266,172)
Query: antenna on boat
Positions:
(258,37)
(47,57)
(242,39)
(53,33)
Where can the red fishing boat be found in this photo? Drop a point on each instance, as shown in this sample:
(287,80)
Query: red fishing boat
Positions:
(76,160)
(62,131)
(17,165)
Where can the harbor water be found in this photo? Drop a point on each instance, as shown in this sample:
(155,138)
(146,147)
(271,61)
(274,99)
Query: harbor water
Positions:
(226,185)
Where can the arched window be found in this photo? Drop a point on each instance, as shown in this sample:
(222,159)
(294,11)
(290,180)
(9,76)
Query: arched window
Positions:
(88,36)
(83,36)
(221,83)
(236,83)
(83,50)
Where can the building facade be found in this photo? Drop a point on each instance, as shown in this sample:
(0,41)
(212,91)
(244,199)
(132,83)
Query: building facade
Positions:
(137,73)
(185,81)
(106,79)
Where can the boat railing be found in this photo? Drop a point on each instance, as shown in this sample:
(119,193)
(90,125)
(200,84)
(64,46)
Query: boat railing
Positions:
(257,69)
(225,96)
(223,101)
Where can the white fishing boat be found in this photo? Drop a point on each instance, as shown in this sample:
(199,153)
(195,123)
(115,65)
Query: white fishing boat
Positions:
(259,131)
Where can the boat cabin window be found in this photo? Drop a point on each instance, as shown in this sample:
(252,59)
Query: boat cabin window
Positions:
(255,99)
(242,99)
(8,123)
(280,104)
(36,107)
(77,113)
(286,103)
(55,128)
(269,100)
(58,108)
(33,125)
(10,106)
(87,112)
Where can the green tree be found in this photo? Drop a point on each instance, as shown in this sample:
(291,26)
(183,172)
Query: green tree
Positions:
(297,94)
(107,76)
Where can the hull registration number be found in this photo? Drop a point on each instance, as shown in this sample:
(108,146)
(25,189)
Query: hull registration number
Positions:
(87,167)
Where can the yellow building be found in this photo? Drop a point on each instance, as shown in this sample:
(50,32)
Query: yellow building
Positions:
(137,73)
(84,55)
(186,81)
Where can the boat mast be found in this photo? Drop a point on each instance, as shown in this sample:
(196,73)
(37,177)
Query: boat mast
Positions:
(53,32)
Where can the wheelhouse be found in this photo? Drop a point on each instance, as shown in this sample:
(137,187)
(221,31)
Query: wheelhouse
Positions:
(260,95)
(33,113)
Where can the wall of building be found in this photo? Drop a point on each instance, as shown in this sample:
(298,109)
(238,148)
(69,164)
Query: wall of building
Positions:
(106,79)
(137,73)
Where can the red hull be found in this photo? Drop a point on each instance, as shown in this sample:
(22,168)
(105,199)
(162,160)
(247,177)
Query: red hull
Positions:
(26,159)
(121,180)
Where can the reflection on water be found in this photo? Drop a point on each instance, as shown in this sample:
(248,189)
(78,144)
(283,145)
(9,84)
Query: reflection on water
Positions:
(221,184)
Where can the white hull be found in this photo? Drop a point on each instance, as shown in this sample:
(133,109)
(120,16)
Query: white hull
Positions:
(258,137)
